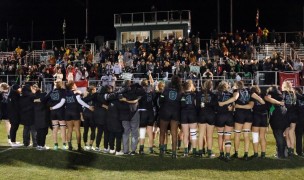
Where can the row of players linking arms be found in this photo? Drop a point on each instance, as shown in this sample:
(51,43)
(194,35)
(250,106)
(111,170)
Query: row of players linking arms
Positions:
(191,117)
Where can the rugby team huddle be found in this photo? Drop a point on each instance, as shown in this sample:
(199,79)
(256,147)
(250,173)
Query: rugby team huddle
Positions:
(189,115)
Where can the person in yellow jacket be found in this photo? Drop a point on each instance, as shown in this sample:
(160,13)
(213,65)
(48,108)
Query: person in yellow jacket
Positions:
(265,35)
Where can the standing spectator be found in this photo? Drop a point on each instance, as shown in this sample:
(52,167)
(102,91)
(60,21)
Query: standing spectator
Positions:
(298,65)
(70,73)
(56,52)
(109,68)
(26,104)
(58,75)
(278,38)
(278,120)
(43,46)
(48,80)
(41,118)
(117,69)
(129,116)
(265,36)
(112,81)
(13,113)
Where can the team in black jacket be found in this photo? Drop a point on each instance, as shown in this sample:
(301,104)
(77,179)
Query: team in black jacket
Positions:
(232,110)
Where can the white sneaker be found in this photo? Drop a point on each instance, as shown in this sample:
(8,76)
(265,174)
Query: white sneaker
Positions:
(87,148)
(38,148)
(16,144)
(9,141)
(97,149)
(64,147)
(112,151)
(44,148)
(120,153)
(106,150)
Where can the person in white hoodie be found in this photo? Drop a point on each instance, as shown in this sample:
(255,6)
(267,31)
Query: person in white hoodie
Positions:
(117,70)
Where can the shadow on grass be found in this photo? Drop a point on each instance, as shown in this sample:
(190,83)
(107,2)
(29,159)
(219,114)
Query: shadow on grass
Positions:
(73,160)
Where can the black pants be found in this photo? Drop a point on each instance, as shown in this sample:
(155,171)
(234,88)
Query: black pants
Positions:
(41,136)
(299,137)
(27,132)
(13,132)
(280,142)
(102,129)
(115,136)
(86,126)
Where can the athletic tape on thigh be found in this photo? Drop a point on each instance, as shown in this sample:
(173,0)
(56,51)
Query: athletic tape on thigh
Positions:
(246,130)
(227,143)
(62,125)
(255,137)
(227,133)
(237,131)
(193,134)
(142,133)
(220,133)
(55,125)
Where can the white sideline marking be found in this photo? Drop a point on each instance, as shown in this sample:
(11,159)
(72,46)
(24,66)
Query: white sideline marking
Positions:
(5,150)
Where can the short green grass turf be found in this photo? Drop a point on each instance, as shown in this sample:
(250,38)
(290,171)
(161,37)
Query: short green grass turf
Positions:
(28,163)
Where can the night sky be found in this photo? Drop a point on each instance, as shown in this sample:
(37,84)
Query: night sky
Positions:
(47,16)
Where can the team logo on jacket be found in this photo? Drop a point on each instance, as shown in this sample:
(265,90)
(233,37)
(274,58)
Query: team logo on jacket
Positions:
(172,95)
(55,96)
(244,96)
(70,99)
(149,97)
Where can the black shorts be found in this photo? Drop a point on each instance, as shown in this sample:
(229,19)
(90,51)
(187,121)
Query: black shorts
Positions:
(3,113)
(243,116)
(169,114)
(188,117)
(206,117)
(72,116)
(259,120)
(224,119)
(146,118)
(292,117)
(57,114)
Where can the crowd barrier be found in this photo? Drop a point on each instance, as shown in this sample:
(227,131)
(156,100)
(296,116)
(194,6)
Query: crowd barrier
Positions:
(260,78)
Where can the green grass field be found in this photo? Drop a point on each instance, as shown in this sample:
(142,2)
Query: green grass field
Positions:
(28,163)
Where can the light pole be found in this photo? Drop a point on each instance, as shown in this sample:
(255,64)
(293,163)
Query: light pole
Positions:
(87,19)
(231,16)
(63,32)
(218,17)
